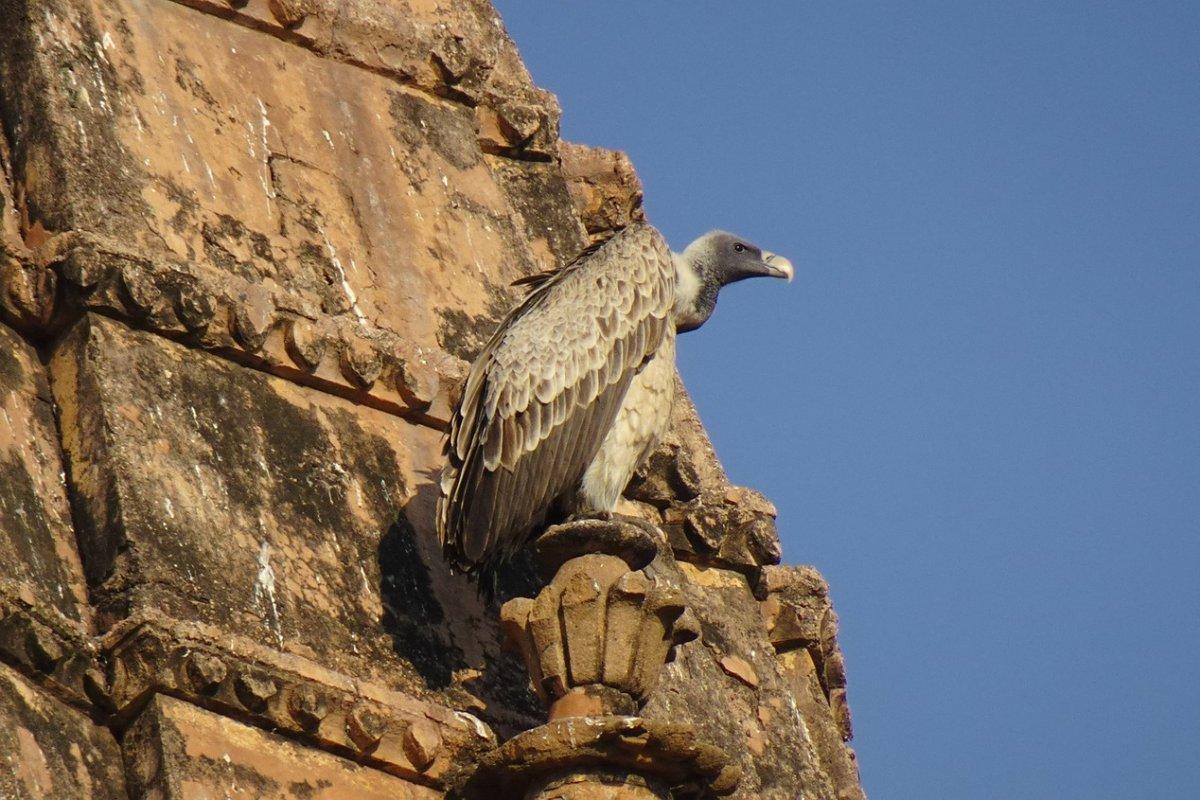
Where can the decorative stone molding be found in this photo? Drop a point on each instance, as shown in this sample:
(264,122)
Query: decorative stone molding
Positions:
(644,759)
(113,677)
(465,57)
(54,655)
(595,640)
(387,730)
(798,614)
(268,329)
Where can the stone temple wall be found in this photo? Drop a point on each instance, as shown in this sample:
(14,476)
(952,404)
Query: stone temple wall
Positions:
(247,249)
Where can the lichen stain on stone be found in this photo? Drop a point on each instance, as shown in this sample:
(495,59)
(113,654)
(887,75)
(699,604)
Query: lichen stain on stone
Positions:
(539,194)
(97,188)
(449,132)
(464,335)
(185,76)
(12,373)
(234,249)
(309,789)
(461,334)
(23,518)
(380,487)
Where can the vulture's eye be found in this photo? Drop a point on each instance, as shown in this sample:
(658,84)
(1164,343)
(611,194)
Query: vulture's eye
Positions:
(739,247)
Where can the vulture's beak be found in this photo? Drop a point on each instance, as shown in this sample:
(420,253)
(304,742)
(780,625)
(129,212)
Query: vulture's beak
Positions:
(778,266)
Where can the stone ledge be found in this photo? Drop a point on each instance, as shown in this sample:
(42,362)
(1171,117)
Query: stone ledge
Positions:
(384,729)
(464,57)
(176,750)
(265,327)
(666,751)
(113,677)
(50,652)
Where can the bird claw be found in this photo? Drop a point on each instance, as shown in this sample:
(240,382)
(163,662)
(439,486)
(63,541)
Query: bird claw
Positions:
(589,516)
(612,516)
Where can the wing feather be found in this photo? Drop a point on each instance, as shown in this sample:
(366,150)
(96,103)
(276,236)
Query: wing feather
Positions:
(540,398)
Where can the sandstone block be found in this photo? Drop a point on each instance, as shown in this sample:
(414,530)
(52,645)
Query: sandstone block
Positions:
(604,188)
(49,751)
(39,564)
(217,495)
(177,751)
(360,194)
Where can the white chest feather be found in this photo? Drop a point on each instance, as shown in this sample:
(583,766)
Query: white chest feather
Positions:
(687,286)
(641,422)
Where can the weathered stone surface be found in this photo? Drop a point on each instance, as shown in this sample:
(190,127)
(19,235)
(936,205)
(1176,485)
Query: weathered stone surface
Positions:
(49,751)
(26,287)
(362,193)
(210,493)
(835,758)
(802,627)
(798,613)
(599,633)
(39,565)
(606,191)
(732,667)
(175,750)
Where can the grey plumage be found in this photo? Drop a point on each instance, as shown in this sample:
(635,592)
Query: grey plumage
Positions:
(575,387)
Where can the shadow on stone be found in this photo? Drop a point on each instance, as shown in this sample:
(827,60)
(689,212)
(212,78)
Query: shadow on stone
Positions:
(412,615)
(433,615)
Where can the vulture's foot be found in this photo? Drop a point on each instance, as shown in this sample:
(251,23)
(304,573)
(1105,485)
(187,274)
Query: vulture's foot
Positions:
(632,539)
(599,516)
(612,516)
(650,528)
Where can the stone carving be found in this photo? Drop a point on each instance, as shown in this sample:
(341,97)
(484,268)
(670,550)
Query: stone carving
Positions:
(594,641)
(275,332)
(392,732)
(53,655)
(595,638)
(599,757)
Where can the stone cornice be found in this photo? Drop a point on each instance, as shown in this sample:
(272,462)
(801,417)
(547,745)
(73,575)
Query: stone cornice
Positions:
(113,675)
(262,326)
(457,62)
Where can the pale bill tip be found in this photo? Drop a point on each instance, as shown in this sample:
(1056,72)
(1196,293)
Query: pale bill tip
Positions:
(780,263)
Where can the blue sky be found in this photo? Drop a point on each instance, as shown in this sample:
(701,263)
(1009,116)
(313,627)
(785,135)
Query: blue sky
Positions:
(978,406)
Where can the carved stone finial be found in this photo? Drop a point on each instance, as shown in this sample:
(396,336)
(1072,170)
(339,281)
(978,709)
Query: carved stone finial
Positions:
(595,640)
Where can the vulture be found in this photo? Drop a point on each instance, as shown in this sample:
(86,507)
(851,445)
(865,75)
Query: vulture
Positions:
(575,388)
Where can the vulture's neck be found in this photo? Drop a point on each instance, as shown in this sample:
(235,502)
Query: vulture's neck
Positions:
(695,293)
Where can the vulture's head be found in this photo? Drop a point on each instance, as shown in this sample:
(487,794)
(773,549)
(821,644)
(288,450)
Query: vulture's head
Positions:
(714,260)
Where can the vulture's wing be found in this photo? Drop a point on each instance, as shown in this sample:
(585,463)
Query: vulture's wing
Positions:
(544,392)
